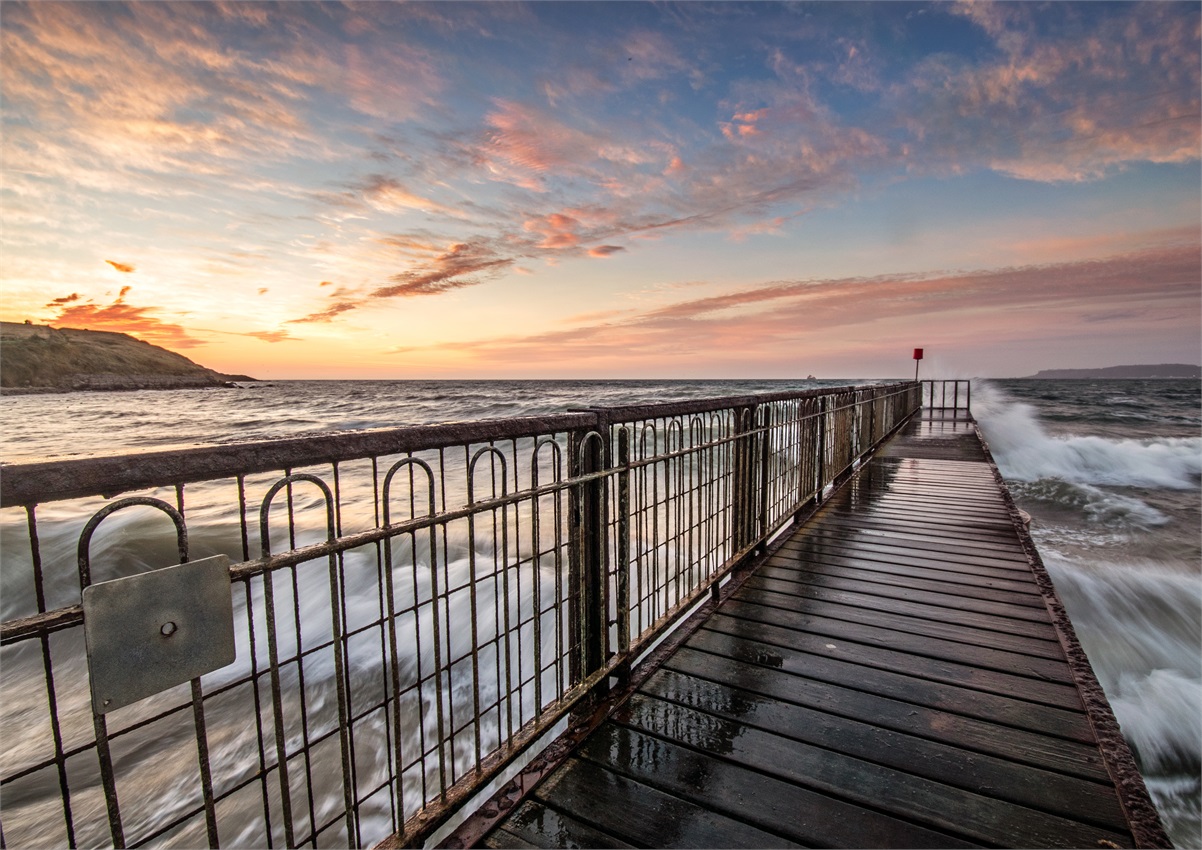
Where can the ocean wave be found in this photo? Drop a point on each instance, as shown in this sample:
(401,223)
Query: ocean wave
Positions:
(1025,451)
(1141,626)
(1112,511)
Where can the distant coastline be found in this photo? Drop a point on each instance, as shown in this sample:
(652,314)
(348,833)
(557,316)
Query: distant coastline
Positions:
(1161,370)
(43,359)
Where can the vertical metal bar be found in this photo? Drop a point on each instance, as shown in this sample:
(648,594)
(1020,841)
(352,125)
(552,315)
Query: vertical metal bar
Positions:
(388,622)
(35,551)
(536,557)
(254,689)
(471,560)
(202,754)
(440,720)
(821,460)
(277,700)
(765,456)
(242,526)
(622,557)
(107,779)
(508,633)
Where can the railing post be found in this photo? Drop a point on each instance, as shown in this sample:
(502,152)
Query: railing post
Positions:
(765,459)
(820,484)
(588,609)
(745,491)
(622,556)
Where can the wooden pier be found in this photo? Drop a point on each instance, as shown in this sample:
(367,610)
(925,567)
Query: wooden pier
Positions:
(895,674)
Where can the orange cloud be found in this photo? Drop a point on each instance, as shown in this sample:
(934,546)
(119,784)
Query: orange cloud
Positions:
(121,267)
(271,336)
(456,268)
(123,318)
(324,315)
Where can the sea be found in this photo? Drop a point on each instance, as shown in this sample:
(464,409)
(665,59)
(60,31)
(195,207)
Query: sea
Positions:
(1110,471)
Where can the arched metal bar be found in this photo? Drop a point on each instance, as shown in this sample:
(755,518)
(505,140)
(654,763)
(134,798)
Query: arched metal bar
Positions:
(104,754)
(409,464)
(536,562)
(85,537)
(336,632)
(494,452)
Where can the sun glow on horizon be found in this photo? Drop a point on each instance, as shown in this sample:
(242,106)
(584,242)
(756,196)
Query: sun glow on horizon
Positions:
(714,190)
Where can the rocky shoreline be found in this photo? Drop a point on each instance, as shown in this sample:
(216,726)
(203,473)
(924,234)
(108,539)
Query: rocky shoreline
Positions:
(119,383)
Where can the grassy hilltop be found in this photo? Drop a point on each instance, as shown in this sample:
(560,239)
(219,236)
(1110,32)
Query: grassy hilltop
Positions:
(39,357)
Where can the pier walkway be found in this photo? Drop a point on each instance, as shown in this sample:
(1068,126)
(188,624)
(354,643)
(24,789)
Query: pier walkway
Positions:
(891,676)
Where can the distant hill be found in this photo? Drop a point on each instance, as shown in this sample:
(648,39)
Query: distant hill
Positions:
(39,358)
(1163,370)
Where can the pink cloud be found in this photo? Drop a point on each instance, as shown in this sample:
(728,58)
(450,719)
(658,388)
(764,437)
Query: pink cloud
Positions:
(558,230)
(605,250)
(781,321)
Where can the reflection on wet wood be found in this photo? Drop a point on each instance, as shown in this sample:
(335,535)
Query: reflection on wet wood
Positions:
(889,678)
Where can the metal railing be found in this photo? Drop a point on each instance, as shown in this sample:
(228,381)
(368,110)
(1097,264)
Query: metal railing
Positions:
(412,606)
(947,395)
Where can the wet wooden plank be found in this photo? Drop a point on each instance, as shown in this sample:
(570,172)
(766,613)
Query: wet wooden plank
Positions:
(535,824)
(917,666)
(975,653)
(818,571)
(803,583)
(1046,790)
(930,606)
(895,622)
(920,541)
(729,787)
(1006,710)
(976,817)
(897,570)
(945,554)
(637,813)
(961,527)
(968,733)
(847,550)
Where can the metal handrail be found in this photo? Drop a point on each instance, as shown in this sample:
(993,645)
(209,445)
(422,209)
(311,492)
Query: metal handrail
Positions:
(573,560)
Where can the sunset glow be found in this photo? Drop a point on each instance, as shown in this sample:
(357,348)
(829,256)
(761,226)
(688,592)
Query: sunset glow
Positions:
(553,189)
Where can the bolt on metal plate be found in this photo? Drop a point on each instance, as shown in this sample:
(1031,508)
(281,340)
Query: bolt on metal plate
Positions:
(150,632)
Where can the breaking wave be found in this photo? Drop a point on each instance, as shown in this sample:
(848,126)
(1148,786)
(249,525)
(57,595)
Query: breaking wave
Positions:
(1026,452)
(1141,626)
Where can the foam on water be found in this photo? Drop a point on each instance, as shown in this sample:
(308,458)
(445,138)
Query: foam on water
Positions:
(1141,626)
(1116,523)
(1025,451)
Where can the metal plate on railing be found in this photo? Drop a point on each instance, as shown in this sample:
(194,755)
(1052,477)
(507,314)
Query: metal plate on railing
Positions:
(150,632)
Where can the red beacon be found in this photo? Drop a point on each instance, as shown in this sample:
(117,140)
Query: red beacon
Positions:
(917,357)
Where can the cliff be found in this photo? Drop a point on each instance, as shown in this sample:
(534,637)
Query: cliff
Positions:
(38,358)
(1162,370)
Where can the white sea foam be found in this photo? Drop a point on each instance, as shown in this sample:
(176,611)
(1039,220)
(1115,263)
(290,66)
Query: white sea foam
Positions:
(1026,452)
(1141,626)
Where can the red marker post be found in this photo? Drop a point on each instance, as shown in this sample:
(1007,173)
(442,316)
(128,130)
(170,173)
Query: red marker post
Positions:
(917,357)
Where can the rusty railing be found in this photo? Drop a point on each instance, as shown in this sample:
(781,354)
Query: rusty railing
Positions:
(411,607)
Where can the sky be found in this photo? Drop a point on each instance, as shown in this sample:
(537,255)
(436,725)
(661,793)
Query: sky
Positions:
(592,190)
